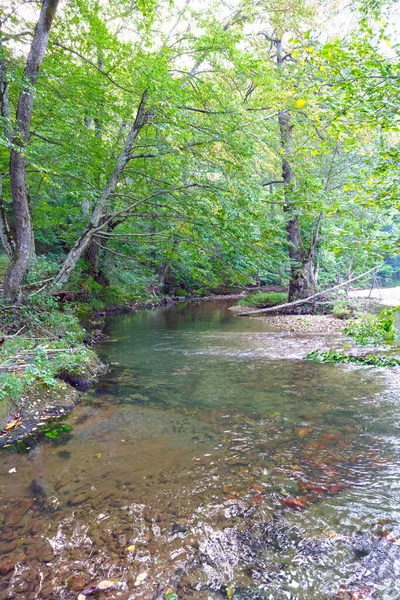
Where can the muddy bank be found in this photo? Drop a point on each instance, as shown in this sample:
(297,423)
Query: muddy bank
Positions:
(40,403)
(36,408)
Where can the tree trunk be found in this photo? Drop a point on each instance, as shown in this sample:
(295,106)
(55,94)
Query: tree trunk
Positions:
(5,233)
(19,189)
(100,209)
(302,281)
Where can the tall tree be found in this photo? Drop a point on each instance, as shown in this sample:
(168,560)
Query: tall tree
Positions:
(22,250)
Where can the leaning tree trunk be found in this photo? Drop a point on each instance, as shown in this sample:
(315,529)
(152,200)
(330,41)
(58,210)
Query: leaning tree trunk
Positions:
(302,275)
(97,219)
(19,188)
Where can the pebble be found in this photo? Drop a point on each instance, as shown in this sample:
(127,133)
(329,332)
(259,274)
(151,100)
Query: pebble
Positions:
(6,566)
(77,582)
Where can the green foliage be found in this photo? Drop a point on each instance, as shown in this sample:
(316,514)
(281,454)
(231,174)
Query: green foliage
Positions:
(374,330)
(31,315)
(342,308)
(11,386)
(50,343)
(40,369)
(261,299)
(335,356)
(53,429)
(197,212)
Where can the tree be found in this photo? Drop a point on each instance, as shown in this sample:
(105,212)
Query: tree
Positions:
(21,247)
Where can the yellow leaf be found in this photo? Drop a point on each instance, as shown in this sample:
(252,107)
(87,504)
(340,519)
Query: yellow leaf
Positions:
(131,548)
(310,48)
(331,534)
(230,591)
(13,424)
(299,103)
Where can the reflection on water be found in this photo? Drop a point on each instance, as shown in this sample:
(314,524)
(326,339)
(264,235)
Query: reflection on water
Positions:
(212,460)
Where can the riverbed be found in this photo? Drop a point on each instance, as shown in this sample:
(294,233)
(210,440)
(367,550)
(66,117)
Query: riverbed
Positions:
(211,462)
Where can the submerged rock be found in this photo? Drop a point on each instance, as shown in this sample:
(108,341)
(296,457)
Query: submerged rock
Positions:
(362,545)
(179,528)
(44,493)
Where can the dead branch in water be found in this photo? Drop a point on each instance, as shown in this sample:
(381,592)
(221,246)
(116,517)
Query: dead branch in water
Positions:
(305,300)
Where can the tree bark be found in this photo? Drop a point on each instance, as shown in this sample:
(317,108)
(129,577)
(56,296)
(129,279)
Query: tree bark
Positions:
(23,227)
(5,233)
(302,281)
(92,254)
(142,117)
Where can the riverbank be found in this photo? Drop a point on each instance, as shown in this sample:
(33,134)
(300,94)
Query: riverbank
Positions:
(305,323)
(384,296)
(44,361)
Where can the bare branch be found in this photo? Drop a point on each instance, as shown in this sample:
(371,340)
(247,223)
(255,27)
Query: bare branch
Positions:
(273,181)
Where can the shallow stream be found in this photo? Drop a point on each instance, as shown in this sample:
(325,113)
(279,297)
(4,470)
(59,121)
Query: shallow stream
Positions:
(211,462)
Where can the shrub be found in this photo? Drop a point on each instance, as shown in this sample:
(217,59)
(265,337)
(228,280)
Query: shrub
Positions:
(261,299)
(342,309)
(374,330)
(335,356)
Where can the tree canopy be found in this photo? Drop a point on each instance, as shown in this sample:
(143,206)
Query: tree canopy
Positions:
(149,148)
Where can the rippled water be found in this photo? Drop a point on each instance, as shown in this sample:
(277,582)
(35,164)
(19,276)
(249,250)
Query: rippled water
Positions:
(213,461)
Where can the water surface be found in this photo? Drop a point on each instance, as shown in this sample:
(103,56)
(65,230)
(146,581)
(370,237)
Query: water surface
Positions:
(211,459)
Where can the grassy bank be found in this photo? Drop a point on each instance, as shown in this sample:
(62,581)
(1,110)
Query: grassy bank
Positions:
(43,350)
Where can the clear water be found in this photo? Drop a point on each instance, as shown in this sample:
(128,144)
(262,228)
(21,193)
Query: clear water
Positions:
(213,460)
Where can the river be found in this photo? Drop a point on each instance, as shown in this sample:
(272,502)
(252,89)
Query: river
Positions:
(214,461)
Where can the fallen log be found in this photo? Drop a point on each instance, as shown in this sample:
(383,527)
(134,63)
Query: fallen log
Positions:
(305,300)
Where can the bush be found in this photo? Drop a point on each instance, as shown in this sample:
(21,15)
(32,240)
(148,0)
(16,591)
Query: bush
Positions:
(335,356)
(38,326)
(374,330)
(342,309)
(261,299)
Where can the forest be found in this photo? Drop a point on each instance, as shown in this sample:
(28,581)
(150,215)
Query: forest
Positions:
(151,149)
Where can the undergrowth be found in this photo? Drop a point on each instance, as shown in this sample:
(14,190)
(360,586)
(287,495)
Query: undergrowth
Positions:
(335,356)
(374,330)
(261,299)
(39,342)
